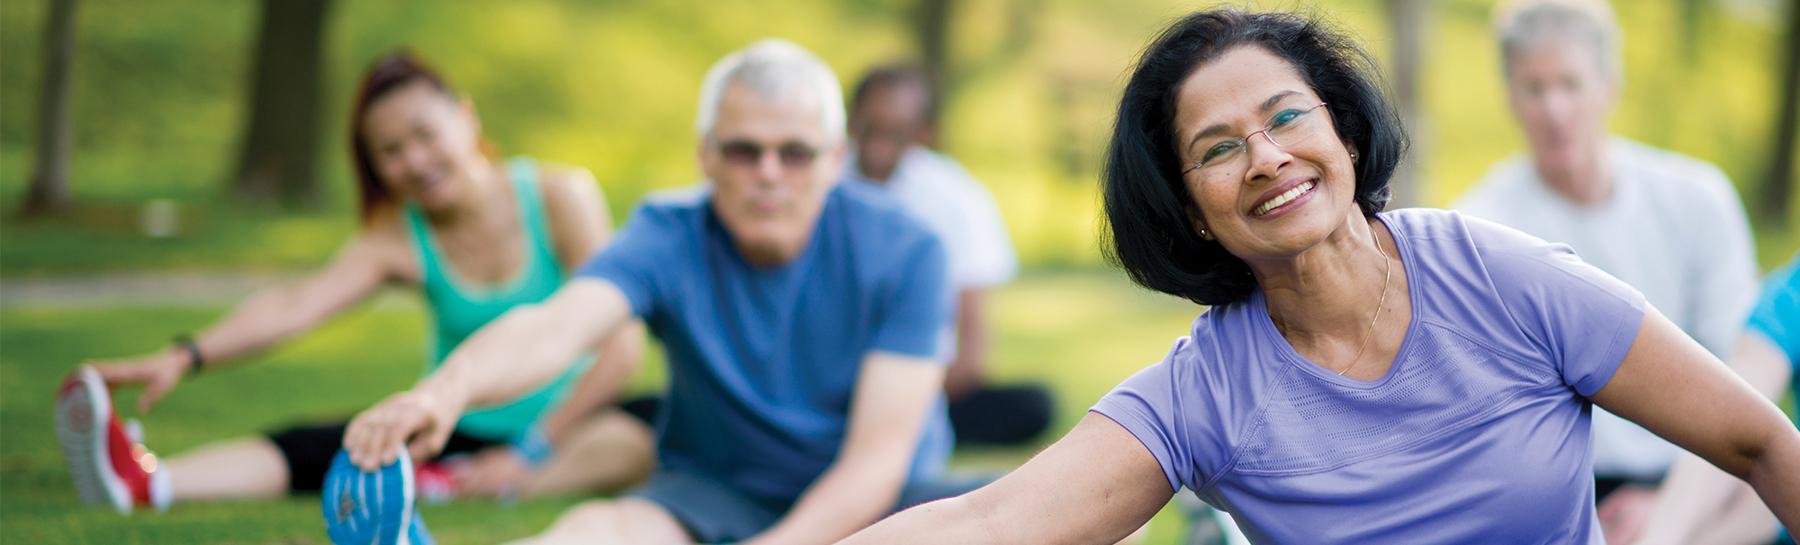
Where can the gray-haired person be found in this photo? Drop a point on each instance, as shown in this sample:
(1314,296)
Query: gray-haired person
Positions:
(1670,226)
(800,317)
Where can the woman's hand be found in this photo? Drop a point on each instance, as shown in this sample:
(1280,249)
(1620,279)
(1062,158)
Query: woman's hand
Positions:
(157,373)
(376,437)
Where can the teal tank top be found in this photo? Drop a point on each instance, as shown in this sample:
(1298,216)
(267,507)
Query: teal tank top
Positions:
(458,309)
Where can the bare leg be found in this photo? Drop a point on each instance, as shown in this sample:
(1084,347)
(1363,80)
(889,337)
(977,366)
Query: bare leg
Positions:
(620,522)
(604,454)
(246,468)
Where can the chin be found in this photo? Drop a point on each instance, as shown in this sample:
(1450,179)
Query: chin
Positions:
(437,202)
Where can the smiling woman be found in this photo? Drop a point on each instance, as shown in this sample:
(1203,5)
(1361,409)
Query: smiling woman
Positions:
(475,237)
(1362,376)
(1149,207)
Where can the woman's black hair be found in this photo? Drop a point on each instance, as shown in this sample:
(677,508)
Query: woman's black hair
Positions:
(1149,230)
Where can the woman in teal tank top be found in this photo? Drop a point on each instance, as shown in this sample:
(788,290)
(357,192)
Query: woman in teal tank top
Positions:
(477,238)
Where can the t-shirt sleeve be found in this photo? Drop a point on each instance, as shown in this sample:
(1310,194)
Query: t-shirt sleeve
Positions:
(635,258)
(916,307)
(1581,318)
(1777,313)
(1159,406)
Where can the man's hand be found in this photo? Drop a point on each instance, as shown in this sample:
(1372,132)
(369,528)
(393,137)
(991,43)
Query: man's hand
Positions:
(376,437)
(1624,513)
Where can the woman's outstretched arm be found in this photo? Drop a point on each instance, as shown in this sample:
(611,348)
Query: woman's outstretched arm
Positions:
(1097,485)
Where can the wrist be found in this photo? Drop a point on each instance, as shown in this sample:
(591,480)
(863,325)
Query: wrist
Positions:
(448,395)
(186,354)
(534,447)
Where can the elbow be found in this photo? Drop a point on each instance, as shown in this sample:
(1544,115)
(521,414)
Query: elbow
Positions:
(1754,456)
(1782,444)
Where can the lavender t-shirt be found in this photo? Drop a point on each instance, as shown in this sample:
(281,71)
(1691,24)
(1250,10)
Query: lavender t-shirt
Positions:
(1477,434)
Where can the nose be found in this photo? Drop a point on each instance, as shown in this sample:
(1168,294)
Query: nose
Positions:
(414,159)
(1266,156)
(768,165)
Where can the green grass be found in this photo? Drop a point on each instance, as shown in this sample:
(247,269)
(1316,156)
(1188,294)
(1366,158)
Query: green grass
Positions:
(106,236)
(1081,332)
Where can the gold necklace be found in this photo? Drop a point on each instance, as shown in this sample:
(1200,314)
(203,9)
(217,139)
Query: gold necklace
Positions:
(1387,273)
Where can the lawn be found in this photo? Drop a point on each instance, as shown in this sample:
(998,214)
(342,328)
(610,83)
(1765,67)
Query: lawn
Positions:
(1081,331)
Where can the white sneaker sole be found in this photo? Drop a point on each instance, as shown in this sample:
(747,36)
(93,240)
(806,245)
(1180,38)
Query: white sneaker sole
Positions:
(82,414)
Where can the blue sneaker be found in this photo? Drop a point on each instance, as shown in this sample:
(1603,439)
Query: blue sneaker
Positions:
(416,534)
(371,507)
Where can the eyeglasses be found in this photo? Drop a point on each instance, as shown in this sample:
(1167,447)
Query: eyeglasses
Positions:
(1287,127)
(793,155)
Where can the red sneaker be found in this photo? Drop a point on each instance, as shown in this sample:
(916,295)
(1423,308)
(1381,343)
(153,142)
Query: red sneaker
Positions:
(435,481)
(106,465)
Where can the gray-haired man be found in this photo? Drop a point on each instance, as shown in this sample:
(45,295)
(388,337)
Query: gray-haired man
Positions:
(1669,225)
(801,319)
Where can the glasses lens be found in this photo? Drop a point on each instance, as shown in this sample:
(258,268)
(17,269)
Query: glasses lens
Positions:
(1221,152)
(1291,126)
(797,155)
(740,152)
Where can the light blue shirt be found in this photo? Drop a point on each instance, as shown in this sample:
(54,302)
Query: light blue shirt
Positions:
(1777,316)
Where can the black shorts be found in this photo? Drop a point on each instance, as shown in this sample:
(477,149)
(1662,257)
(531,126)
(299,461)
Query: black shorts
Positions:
(309,449)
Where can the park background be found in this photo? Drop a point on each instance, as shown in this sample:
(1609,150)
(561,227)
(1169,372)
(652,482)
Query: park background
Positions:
(155,229)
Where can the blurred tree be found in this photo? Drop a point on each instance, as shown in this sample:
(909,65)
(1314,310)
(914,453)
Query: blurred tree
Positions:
(931,30)
(1693,19)
(49,191)
(280,157)
(1407,20)
(1779,189)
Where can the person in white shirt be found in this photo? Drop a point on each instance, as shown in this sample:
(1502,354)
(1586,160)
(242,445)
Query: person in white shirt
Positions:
(891,115)
(1669,225)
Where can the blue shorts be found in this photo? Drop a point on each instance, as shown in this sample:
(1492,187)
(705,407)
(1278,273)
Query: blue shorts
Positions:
(713,512)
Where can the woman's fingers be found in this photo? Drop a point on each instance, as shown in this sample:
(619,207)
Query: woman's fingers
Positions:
(115,374)
(380,435)
(154,392)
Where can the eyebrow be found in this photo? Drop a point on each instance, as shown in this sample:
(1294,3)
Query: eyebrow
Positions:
(1219,128)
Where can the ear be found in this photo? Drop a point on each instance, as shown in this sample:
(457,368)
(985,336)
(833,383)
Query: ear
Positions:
(701,146)
(1199,225)
(832,160)
(467,107)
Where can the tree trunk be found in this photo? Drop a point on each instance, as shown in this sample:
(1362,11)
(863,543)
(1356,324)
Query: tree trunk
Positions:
(1407,19)
(932,30)
(1693,19)
(49,191)
(1778,190)
(279,164)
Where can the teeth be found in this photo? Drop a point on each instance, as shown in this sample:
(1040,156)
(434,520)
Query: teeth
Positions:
(1282,198)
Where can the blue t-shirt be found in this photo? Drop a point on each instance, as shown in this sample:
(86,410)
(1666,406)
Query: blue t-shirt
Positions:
(1478,433)
(1777,317)
(763,361)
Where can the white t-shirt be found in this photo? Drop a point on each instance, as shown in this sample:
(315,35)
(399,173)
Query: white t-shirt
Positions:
(1673,228)
(940,192)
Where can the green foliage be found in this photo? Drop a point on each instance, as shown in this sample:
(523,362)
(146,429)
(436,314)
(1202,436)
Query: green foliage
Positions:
(611,86)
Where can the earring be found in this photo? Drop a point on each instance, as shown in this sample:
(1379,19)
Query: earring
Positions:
(1353,157)
(1205,234)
